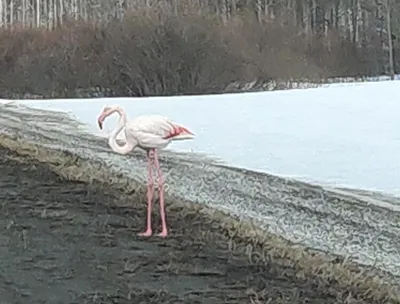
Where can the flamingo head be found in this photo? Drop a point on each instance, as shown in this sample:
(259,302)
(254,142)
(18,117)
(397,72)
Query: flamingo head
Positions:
(107,111)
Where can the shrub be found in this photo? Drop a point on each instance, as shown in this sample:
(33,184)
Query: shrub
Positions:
(156,52)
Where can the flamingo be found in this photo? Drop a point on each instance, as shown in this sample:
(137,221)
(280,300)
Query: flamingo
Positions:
(150,133)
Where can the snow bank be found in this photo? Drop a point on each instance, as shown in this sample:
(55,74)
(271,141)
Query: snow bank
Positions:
(344,133)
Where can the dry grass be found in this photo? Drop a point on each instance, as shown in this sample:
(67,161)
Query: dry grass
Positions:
(358,283)
(154,52)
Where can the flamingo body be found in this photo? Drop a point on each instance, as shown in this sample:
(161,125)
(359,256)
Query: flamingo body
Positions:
(154,131)
(150,133)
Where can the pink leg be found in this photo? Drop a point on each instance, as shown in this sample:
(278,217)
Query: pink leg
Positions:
(164,230)
(150,190)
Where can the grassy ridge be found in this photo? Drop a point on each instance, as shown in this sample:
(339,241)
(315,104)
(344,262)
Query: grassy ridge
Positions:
(345,280)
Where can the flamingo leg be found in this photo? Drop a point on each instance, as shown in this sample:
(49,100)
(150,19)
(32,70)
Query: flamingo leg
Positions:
(150,191)
(164,230)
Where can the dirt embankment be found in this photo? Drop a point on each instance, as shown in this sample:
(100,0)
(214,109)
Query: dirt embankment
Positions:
(70,241)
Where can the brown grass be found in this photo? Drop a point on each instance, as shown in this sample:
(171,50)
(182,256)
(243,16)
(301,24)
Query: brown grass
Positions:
(154,52)
(242,236)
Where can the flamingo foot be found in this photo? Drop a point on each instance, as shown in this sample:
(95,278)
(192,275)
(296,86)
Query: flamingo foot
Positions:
(147,233)
(163,233)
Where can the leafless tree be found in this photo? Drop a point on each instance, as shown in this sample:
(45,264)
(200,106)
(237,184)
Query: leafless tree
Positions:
(356,20)
(390,41)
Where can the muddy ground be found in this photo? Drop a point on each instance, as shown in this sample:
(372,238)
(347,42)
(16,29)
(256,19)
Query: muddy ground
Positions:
(69,242)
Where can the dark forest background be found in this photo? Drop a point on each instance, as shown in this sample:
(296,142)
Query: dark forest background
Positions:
(78,48)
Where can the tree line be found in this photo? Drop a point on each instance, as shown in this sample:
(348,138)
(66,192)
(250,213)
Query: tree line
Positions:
(368,24)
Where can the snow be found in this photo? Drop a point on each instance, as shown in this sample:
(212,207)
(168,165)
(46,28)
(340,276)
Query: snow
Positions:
(342,134)
(345,134)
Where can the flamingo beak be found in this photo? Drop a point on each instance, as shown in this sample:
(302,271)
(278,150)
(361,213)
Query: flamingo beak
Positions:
(100,121)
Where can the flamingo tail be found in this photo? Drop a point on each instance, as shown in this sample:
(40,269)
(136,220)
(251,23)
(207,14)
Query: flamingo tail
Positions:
(179,133)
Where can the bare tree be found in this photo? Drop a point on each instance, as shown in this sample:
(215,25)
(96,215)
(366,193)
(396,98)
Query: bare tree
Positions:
(390,41)
(356,20)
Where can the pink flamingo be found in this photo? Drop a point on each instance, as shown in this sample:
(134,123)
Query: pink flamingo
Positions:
(150,132)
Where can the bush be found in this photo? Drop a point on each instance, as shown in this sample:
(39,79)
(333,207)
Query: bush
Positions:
(155,52)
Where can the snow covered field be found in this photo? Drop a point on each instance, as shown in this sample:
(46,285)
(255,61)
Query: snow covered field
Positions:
(341,135)
(347,134)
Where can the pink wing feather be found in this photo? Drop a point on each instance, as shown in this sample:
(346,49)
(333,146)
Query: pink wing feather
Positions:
(156,131)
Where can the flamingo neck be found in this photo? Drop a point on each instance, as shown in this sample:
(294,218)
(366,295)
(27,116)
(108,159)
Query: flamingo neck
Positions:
(112,141)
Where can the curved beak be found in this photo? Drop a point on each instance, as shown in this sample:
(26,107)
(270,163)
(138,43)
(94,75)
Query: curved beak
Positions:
(100,121)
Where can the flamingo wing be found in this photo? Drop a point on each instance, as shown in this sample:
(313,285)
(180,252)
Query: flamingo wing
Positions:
(155,131)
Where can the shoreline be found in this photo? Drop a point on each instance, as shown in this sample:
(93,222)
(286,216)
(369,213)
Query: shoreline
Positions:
(374,284)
